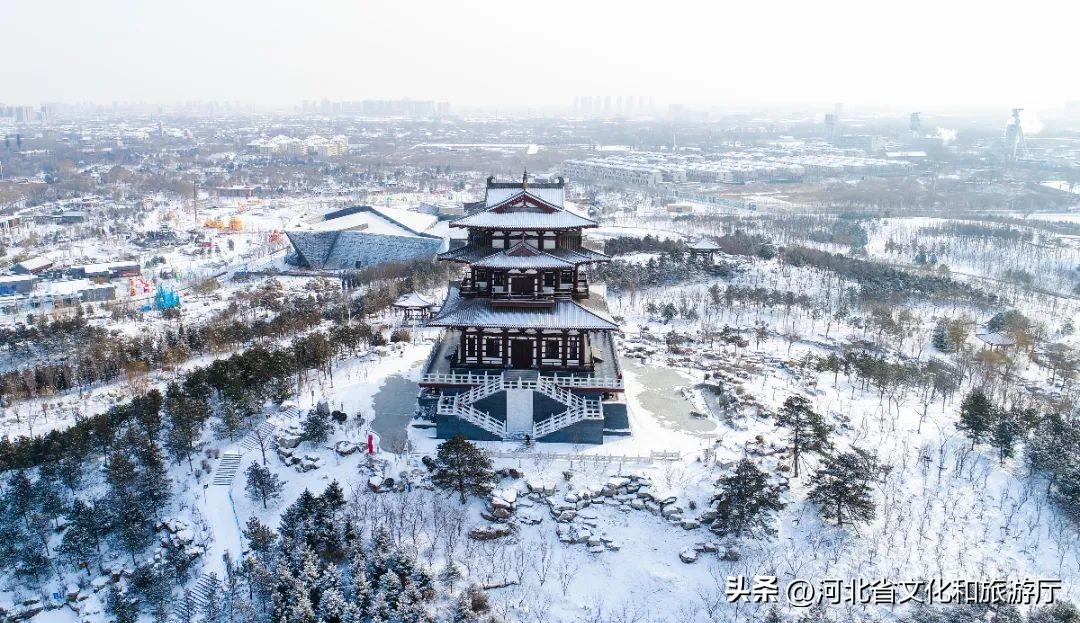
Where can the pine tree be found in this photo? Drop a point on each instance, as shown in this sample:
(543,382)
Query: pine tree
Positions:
(153,486)
(127,512)
(1008,428)
(1066,491)
(317,426)
(746,502)
(82,539)
(262,484)
(70,471)
(212,611)
(1054,448)
(842,486)
(332,607)
(231,418)
(940,337)
(122,608)
(333,498)
(186,416)
(808,430)
(976,416)
(260,538)
(1060,612)
(470,606)
(463,467)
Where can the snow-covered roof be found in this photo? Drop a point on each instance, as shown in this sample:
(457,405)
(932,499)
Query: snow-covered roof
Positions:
(703,245)
(478,312)
(412,299)
(35,263)
(378,220)
(560,219)
(994,338)
(552,196)
(521,255)
(524,207)
(472,255)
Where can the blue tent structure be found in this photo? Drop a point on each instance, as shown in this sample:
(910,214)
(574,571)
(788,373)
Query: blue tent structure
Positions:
(166,298)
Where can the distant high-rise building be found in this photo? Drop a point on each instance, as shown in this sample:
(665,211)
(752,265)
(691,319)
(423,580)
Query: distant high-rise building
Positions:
(830,125)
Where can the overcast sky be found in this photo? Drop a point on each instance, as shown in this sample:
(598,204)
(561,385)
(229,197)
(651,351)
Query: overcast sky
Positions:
(932,55)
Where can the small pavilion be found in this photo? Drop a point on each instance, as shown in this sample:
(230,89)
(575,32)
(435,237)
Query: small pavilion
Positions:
(703,249)
(414,307)
(996,340)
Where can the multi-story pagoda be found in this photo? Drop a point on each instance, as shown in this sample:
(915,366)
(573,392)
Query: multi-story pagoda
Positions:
(526,353)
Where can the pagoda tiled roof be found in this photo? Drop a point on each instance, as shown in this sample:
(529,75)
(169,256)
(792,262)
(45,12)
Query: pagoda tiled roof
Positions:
(522,255)
(524,208)
(458,311)
(473,255)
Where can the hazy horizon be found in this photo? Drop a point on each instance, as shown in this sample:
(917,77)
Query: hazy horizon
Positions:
(921,56)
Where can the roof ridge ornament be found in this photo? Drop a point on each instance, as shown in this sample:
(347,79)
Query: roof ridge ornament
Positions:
(525,180)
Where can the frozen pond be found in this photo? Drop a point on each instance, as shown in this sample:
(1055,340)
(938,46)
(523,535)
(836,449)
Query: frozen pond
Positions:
(662,395)
(394,405)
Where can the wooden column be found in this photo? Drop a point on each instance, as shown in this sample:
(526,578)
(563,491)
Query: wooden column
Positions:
(506,347)
(538,345)
(581,349)
(565,346)
(461,347)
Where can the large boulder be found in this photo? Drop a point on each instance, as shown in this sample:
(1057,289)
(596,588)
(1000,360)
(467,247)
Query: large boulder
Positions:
(490,533)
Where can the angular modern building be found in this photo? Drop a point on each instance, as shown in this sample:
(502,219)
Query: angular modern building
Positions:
(526,352)
(364,236)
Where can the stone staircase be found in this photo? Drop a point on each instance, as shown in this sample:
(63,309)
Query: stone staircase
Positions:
(490,385)
(230,461)
(226,470)
(578,408)
(264,430)
(200,597)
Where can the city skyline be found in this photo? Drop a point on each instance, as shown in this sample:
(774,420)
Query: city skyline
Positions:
(928,56)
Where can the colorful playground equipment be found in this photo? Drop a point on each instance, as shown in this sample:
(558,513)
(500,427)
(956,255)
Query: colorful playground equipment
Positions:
(166,298)
(138,285)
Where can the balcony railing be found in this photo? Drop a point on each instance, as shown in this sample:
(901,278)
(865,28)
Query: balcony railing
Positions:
(567,381)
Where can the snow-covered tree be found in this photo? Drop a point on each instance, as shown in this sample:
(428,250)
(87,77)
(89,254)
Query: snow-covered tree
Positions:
(462,467)
(317,426)
(976,416)
(841,488)
(262,484)
(746,502)
(807,430)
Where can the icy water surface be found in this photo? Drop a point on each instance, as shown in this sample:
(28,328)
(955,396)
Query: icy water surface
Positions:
(661,395)
(394,405)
